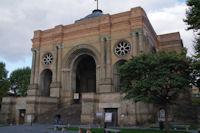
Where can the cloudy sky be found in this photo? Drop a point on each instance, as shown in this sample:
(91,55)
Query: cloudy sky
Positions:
(19,18)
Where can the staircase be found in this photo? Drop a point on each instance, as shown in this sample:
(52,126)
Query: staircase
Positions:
(69,115)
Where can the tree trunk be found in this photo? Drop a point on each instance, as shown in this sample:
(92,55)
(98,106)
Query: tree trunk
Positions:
(15,93)
(166,119)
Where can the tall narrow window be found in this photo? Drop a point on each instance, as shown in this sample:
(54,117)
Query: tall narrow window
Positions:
(116,73)
(45,82)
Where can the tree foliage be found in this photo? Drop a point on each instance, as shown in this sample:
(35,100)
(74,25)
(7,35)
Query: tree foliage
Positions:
(20,79)
(4,82)
(196,72)
(193,15)
(156,78)
(193,22)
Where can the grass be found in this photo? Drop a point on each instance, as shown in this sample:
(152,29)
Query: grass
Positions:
(101,130)
(147,131)
(193,127)
(3,125)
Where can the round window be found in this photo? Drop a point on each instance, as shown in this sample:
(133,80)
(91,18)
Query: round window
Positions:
(47,59)
(122,48)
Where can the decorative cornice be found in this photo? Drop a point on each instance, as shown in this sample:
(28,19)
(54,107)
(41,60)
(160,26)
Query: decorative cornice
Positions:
(35,49)
(104,38)
(58,45)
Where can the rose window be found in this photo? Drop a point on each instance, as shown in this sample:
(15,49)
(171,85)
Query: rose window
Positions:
(122,48)
(47,59)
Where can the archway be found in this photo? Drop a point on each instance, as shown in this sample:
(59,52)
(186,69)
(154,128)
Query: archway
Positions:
(45,81)
(70,64)
(85,72)
(116,75)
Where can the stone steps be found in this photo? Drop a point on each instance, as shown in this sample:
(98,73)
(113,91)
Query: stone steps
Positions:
(69,115)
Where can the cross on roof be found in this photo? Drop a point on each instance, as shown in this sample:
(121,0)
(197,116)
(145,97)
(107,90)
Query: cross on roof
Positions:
(97,3)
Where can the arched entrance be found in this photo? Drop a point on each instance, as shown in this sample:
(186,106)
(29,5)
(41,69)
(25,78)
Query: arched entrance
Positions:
(45,82)
(85,72)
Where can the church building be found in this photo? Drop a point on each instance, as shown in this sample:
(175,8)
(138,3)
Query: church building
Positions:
(75,67)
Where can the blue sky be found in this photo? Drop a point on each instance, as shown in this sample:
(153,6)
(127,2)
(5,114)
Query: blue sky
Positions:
(19,19)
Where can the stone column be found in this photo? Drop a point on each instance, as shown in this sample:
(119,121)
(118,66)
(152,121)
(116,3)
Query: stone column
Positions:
(108,56)
(33,66)
(57,63)
(134,43)
(103,58)
(105,77)
(32,89)
(54,68)
(59,59)
(56,82)
(37,65)
(141,50)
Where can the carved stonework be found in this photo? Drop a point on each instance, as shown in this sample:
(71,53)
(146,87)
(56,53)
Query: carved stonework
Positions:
(37,49)
(104,38)
(58,45)
(122,48)
(47,59)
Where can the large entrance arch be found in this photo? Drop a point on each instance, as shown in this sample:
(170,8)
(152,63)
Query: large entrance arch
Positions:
(85,73)
(75,63)
(45,81)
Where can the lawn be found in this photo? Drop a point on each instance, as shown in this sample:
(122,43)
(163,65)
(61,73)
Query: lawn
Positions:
(3,125)
(101,130)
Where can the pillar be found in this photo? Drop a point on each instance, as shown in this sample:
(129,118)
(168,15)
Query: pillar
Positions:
(56,81)
(105,84)
(33,87)
(33,66)
(134,43)
(141,46)
(137,37)
(59,59)
(37,64)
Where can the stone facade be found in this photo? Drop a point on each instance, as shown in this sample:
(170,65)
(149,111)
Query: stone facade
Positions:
(82,59)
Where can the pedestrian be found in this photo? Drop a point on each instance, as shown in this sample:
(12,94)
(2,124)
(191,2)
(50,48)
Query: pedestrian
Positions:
(161,118)
(58,116)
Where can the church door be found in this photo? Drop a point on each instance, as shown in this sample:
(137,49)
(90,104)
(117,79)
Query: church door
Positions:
(85,76)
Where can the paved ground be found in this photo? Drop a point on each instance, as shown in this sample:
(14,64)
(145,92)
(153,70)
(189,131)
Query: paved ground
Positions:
(36,128)
(31,129)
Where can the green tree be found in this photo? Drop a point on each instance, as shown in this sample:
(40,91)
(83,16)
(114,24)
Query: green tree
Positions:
(4,82)
(193,15)
(193,21)
(20,79)
(156,78)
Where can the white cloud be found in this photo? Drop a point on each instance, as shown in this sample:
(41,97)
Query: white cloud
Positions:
(171,20)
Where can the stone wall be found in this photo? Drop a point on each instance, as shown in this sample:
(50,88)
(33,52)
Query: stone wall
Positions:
(34,106)
(171,42)
(128,112)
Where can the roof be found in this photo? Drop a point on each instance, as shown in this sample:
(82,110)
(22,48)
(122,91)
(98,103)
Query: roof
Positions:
(94,14)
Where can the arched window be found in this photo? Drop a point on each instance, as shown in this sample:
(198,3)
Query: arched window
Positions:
(45,82)
(116,75)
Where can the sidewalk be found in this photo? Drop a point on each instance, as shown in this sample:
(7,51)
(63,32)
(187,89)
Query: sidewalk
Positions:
(36,128)
(41,128)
